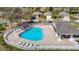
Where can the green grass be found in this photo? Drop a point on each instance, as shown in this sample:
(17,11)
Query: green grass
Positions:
(76,25)
(77,41)
(2,28)
(11,48)
(42,19)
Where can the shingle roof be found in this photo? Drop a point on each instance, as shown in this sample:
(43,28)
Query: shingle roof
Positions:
(65,28)
(37,13)
(47,14)
(63,14)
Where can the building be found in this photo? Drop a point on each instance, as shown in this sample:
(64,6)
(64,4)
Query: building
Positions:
(76,18)
(48,16)
(36,16)
(64,15)
(65,29)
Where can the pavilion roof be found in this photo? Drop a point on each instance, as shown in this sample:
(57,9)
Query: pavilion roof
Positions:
(65,28)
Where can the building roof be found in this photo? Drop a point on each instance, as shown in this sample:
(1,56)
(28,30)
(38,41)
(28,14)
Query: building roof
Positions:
(37,13)
(77,16)
(65,28)
(63,13)
(47,14)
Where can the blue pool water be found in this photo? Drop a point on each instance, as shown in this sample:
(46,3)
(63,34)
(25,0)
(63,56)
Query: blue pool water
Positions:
(33,34)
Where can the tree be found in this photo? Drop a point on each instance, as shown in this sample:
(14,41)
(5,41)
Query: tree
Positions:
(50,8)
(74,10)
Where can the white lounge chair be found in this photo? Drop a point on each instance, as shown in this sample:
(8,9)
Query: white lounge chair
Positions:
(26,45)
(59,39)
(30,45)
(35,45)
(20,43)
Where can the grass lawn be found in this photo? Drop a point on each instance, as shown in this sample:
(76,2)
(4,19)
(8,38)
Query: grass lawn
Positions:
(42,19)
(76,25)
(1,28)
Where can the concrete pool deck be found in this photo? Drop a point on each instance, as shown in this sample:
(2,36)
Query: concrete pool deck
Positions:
(50,38)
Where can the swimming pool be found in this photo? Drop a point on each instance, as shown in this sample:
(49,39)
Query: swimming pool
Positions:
(33,34)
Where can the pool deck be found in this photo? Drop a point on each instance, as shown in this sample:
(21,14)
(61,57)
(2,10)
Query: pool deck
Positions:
(49,39)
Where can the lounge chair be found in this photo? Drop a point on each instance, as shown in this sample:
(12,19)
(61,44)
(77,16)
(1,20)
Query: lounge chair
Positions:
(36,45)
(24,44)
(20,43)
(59,39)
(30,45)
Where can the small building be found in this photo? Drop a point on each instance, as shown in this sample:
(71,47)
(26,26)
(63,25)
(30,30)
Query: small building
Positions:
(37,13)
(76,18)
(36,16)
(64,15)
(48,16)
(65,29)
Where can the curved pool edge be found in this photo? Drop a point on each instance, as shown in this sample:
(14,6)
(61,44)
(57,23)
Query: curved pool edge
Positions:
(33,34)
(7,41)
